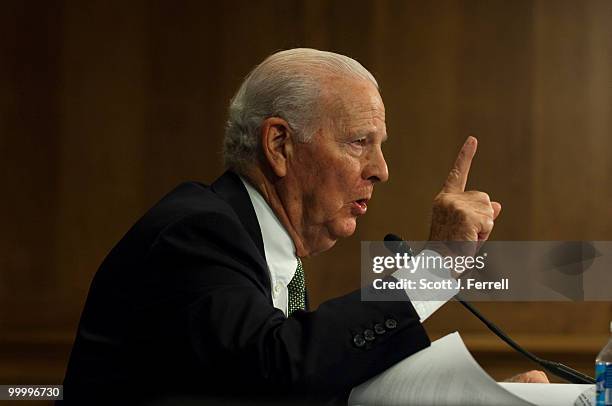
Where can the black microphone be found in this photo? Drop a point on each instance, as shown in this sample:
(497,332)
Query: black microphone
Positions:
(397,245)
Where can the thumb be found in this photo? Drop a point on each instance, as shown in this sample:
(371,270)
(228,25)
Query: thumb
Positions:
(496,209)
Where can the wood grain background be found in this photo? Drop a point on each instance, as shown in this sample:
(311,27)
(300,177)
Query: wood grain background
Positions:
(106,105)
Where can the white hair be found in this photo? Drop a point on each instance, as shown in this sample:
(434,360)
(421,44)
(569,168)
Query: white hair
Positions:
(287,84)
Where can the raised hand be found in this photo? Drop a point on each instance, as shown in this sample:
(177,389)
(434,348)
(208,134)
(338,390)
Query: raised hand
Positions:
(459,215)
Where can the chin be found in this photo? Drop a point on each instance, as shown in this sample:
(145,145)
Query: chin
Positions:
(343,229)
(346,228)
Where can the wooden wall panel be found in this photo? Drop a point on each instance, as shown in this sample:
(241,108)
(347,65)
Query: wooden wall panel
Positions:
(30,133)
(102,178)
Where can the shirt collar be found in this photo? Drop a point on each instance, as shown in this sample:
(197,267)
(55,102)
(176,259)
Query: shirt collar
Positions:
(278,245)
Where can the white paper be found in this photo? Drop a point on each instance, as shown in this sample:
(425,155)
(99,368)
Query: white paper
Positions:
(446,374)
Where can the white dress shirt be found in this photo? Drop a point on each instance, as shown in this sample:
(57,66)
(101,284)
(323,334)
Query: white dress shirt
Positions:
(282,260)
(278,247)
(427,302)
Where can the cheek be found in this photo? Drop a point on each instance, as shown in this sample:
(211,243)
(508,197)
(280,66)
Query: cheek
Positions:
(330,182)
(333,186)
(347,178)
(340,187)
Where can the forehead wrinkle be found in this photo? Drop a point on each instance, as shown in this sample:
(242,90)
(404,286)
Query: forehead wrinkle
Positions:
(348,104)
(370,122)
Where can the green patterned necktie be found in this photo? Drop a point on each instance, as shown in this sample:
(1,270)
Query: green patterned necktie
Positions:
(297,290)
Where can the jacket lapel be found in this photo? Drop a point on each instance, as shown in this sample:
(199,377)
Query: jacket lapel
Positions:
(232,190)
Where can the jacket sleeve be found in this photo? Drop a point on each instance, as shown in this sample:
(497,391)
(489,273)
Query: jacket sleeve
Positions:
(205,283)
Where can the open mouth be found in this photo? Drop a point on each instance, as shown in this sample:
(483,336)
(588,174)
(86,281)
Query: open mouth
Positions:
(360,207)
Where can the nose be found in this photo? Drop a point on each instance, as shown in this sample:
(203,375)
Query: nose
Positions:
(376,169)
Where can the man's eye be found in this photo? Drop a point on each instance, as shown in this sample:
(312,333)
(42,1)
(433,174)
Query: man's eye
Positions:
(361,142)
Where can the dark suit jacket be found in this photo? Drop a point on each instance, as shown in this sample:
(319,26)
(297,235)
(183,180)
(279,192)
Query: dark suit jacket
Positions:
(182,305)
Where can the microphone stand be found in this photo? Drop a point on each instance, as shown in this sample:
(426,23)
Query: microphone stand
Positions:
(555,368)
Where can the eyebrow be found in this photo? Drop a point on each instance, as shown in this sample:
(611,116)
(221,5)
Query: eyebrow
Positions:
(369,134)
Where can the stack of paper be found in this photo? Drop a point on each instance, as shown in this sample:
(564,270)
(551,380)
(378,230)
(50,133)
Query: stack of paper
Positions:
(446,374)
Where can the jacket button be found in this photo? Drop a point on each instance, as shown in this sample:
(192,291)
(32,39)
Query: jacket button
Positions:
(359,341)
(390,324)
(379,329)
(368,335)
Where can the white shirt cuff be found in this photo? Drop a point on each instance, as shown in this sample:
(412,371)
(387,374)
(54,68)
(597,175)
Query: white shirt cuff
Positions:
(427,301)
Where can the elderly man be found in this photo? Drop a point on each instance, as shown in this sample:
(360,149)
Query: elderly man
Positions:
(205,294)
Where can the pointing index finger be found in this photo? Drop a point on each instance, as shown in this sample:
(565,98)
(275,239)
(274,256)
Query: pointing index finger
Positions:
(457,177)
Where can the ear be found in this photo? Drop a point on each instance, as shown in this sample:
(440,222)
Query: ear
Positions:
(276,144)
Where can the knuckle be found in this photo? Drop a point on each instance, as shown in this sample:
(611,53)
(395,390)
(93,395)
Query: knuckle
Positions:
(443,201)
(454,174)
(488,224)
(439,197)
(479,196)
(483,196)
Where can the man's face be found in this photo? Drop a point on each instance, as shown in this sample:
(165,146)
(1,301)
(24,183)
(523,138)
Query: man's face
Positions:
(333,175)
